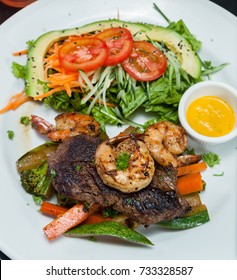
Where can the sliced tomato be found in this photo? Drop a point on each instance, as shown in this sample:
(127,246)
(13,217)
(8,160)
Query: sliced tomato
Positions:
(119,42)
(86,54)
(146,62)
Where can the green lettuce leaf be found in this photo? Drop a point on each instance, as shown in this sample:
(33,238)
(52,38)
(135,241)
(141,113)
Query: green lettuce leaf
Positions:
(132,100)
(181,28)
(18,70)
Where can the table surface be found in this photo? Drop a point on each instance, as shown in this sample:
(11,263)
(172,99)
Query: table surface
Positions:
(230,5)
(6,12)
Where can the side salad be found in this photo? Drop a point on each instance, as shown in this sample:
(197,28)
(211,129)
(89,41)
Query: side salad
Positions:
(111,69)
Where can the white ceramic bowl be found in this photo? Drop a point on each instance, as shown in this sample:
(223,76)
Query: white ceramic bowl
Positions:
(208,88)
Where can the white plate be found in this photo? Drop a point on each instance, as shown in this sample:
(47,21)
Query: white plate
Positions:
(21,235)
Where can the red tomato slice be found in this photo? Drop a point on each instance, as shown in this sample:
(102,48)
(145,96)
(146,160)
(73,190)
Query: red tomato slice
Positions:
(146,62)
(119,41)
(86,54)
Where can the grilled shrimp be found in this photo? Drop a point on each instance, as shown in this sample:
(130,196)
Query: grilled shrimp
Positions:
(126,165)
(166,141)
(67,125)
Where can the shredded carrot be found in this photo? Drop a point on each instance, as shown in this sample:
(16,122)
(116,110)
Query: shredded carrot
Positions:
(71,218)
(52,209)
(192,168)
(48,93)
(190,183)
(54,90)
(15,101)
(68,89)
(60,79)
(19,53)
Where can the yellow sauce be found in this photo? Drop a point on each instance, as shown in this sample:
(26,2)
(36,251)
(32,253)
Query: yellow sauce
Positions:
(211,116)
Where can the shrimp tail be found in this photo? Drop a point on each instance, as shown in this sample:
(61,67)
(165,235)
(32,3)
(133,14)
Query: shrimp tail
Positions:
(120,138)
(41,125)
(188,159)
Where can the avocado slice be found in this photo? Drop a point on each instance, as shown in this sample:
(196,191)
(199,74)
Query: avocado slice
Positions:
(190,62)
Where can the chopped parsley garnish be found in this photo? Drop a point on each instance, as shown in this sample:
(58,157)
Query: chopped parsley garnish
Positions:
(25,120)
(211,159)
(78,167)
(110,212)
(11,134)
(190,152)
(122,161)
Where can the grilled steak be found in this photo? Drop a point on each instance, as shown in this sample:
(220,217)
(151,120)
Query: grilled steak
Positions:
(77,178)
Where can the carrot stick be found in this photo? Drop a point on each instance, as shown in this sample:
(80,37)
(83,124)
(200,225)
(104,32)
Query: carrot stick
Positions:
(96,218)
(52,209)
(190,183)
(192,168)
(71,218)
(56,210)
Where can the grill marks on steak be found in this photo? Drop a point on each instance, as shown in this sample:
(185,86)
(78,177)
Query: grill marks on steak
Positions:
(77,178)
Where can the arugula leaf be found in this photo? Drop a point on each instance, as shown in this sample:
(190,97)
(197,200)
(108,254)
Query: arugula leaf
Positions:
(131,101)
(18,70)
(160,93)
(62,102)
(210,69)
(105,116)
(164,112)
(181,28)
(211,159)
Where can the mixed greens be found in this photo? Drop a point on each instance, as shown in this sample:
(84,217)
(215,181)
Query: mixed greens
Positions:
(113,97)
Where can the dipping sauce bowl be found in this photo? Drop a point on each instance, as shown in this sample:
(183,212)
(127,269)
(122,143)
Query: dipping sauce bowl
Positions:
(208,112)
